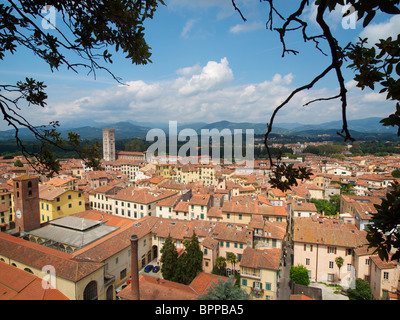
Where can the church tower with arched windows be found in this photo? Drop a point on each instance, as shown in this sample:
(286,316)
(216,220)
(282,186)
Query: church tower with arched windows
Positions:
(26,203)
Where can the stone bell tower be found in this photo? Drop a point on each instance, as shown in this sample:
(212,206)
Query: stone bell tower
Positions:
(109,144)
(26,203)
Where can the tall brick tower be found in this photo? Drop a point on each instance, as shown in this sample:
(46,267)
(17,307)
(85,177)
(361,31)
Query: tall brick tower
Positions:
(26,203)
(109,144)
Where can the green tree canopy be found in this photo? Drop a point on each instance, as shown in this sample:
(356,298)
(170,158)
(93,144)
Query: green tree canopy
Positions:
(299,275)
(225,290)
(18,163)
(190,263)
(169,259)
(135,145)
(362,291)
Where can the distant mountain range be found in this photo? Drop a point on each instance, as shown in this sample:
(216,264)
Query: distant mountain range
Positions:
(131,129)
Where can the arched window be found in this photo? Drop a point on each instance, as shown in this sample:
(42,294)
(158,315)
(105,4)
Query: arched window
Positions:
(29,184)
(90,292)
(28,270)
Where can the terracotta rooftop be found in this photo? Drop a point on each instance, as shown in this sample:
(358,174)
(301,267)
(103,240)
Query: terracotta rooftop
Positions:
(152,288)
(37,256)
(261,259)
(143,195)
(203,281)
(327,231)
(16,284)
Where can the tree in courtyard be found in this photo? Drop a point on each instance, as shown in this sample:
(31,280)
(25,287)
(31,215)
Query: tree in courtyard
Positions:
(299,275)
(18,163)
(396,173)
(80,40)
(339,262)
(190,263)
(169,259)
(225,290)
(220,265)
(231,257)
(362,291)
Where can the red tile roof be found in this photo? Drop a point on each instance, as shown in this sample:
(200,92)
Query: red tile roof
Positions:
(16,284)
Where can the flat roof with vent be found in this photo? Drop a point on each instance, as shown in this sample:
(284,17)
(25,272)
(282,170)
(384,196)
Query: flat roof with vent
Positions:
(75,223)
(72,231)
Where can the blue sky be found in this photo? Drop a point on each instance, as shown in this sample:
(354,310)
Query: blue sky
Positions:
(208,65)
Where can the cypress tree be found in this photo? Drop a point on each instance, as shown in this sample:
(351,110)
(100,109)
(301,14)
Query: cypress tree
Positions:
(169,259)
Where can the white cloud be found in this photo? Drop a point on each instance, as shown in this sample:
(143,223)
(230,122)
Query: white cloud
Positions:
(376,31)
(247,27)
(189,71)
(212,77)
(207,94)
(187,28)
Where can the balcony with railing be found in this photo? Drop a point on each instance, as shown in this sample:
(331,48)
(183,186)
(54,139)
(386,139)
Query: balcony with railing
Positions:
(252,274)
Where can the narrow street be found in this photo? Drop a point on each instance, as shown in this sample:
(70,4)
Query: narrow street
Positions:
(284,288)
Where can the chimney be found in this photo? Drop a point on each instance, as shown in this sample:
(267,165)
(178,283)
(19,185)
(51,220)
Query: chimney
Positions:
(134,268)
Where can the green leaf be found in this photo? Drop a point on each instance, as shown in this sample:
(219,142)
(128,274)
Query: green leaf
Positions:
(368,18)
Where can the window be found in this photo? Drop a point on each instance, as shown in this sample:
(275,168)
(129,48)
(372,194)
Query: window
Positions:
(268,286)
(244,282)
(70,205)
(331,264)
(367,261)
(58,199)
(331,277)
(122,274)
(58,208)
(205,251)
(349,267)
(257,285)
(386,275)
(307,262)
(307,247)
(69,197)
(332,250)
(221,243)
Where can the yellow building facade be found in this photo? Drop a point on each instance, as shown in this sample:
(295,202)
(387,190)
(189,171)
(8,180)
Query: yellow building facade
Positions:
(56,203)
